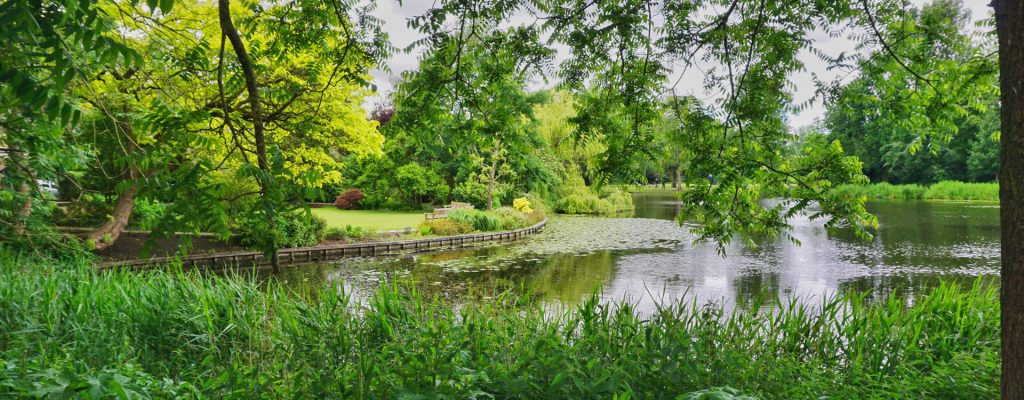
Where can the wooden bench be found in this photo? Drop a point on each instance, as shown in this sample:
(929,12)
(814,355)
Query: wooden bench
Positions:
(442,212)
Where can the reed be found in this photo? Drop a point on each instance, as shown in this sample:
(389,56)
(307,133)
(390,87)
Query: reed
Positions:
(945,190)
(67,329)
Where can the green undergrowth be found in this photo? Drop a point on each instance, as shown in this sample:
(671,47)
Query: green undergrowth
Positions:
(71,332)
(945,190)
(585,201)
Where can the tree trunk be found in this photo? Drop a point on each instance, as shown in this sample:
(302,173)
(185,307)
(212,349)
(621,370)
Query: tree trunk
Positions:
(107,234)
(252,88)
(490,190)
(1010,28)
(25,210)
(492,176)
(677,176)
(25,188)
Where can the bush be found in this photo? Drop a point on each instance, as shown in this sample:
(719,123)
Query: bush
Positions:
(296,229)
(348,232)
(349,199)
(147,213)
(444,227)
(583,201)
(620,200)
(522,204)
(420,185)
(479,220)
(510,218)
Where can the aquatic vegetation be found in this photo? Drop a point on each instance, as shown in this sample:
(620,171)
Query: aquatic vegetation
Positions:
(945,190)
(951,190)
(884,191)
(65,327)
(584,201)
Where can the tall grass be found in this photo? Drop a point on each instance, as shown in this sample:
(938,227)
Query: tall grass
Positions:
(945,190)
(951,190)
(66,329)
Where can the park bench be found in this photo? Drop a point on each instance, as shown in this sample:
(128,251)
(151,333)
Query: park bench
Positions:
(442,212)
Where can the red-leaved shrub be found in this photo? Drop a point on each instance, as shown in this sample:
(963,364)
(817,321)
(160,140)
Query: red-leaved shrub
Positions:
(349,199)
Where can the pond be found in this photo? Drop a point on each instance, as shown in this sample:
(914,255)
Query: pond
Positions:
(649,258)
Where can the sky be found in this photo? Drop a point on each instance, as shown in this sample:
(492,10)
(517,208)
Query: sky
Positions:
(690,82)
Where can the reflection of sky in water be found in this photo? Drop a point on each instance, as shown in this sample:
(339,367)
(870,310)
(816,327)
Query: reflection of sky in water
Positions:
(653,259)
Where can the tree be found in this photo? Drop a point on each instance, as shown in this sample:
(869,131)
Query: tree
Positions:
(466,110)
(754,46)
(1010,28)
(887,113)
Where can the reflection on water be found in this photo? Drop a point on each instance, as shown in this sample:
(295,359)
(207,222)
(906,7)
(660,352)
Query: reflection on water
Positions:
(650,258)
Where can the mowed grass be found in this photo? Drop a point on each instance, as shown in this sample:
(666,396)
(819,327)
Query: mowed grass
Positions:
(368,219)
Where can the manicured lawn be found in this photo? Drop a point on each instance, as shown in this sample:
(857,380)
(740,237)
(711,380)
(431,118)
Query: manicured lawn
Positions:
(377,220)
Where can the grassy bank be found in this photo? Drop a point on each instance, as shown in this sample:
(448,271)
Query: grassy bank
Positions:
(65,329)
(369,219)
(945,190)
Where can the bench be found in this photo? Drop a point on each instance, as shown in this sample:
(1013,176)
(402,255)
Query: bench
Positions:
(442,212)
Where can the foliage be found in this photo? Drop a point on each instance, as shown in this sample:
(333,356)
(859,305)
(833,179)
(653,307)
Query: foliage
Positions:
(444,227)
(295,229)
(945,190)
(349,199)
(585,201)
(473,190)
(907,128)
(950,190)
(171,334)
(420,185)
(348,232)
(884,190)
(522,204)
(479,220)
(147,213)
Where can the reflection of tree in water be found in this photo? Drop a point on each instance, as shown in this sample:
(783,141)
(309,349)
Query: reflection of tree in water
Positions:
(752,286)
(570,278)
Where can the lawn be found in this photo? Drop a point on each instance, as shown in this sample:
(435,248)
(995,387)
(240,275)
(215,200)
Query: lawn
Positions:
(377,220)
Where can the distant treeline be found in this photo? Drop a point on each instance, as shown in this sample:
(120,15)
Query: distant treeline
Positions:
(881,116)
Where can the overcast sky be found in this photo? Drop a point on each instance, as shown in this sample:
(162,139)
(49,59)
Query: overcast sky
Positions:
(691,82)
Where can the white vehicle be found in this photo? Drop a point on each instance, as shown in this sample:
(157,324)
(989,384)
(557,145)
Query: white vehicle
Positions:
(48,187)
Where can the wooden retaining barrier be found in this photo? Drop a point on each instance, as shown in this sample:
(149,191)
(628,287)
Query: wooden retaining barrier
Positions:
(324,253)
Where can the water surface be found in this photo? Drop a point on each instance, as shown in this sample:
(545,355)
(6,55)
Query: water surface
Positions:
(650,258)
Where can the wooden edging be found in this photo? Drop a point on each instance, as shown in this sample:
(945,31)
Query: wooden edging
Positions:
(324,253)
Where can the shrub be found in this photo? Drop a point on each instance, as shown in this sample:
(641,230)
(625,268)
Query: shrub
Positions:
(522,204)
(620,200)
(479,220)
(583,201)
(349,199)
(420,184)
(444,227)
(147,213)
(296,229)
(510,218)
(348,232)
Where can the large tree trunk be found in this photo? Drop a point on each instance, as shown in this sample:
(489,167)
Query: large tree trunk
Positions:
(1010,29)
(228,28)
(107,234)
